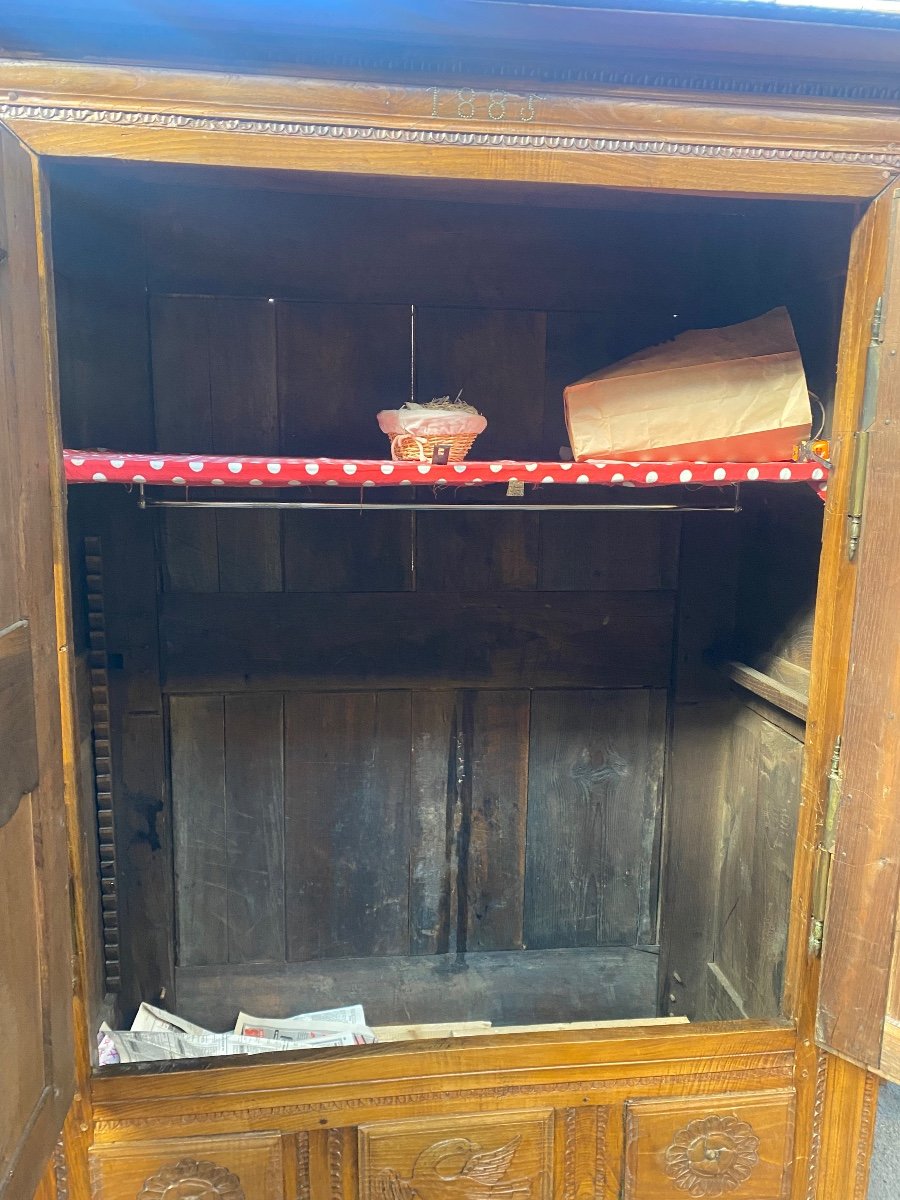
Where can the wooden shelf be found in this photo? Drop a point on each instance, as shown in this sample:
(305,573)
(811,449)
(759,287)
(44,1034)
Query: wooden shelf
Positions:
(768,688)
(204,470)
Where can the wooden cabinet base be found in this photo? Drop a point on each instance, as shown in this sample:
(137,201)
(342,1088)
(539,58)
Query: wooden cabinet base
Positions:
(643,1112)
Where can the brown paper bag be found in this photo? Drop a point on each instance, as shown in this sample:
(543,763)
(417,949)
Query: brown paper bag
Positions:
(736,394)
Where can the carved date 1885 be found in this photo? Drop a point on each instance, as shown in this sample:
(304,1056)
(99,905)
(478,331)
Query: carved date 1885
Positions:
(470,104)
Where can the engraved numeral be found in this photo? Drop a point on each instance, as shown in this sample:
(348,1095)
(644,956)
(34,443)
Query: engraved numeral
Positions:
(466,106)
(528,112)
(497,105)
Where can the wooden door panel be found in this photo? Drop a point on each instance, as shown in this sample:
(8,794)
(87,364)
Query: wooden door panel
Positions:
(246,1167)
(859,1001)
(508,1156)
(735,1146)
(35,932)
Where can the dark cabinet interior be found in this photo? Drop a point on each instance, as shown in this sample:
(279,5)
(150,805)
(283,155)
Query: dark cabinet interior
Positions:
(518,766)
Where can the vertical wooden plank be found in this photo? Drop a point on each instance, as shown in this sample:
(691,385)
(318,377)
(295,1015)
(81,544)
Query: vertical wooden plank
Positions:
(595,778)
(348,552)
(347,759)
(608,551)
(179,343)
(610,1152)
(254,827)
(476,551)
(432,789)
(214,383)
(319,1172)
(497,358)
(249,545)
(189,550)
(737,835)
(143,838)
(578,343)
(759,821)
(698,760)
(103,331)
(244,401)
(182,407)
(781,763)
(197,739)
(496,736)
(242,375)
(338,364)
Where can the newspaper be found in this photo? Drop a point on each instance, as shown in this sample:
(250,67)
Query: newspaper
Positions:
(156,1034)
(157,1020)
(151,1047)
(330,1027)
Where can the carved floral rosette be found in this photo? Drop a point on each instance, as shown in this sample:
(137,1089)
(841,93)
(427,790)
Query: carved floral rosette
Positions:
(192,1180)
(712,1156)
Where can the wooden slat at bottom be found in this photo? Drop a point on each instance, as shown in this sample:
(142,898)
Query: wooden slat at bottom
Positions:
(505,987)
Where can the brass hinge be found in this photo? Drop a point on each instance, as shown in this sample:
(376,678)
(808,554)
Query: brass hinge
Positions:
(861,437)
(825,854)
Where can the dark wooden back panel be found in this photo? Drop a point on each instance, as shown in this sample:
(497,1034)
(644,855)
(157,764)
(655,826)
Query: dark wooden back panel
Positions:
(390,735)
(321,667)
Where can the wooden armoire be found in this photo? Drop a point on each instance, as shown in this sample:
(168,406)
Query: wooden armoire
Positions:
(617,772)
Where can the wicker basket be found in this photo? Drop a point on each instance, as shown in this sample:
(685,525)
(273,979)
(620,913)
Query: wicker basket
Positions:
(417,431)
(406,448)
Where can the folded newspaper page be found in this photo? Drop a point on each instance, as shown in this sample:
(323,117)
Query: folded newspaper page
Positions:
(331,1027)
(156,1034)
(151,1047)
(157,1020)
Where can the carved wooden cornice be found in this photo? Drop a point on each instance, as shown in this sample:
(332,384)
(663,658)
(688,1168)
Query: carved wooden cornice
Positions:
(483,130)
(65,114)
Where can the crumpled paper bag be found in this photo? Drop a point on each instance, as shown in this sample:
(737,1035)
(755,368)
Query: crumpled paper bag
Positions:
(736,394)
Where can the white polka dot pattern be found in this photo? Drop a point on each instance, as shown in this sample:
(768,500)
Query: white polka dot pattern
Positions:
(198,470)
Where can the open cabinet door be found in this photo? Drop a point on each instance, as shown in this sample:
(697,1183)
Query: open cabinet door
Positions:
(37,1072)
(859,997)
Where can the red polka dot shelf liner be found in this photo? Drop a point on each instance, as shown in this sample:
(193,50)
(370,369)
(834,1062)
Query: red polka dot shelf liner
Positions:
(205,470)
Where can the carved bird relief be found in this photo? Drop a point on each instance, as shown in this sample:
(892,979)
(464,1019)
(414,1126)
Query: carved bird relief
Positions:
(456,1169)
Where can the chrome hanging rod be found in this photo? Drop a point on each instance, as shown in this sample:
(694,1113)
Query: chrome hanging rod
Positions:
(375,506)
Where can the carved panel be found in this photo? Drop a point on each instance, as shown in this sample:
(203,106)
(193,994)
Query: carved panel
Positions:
(192,1180)
(732,1146)
(245,1167)
(580,143)
(506,1156)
